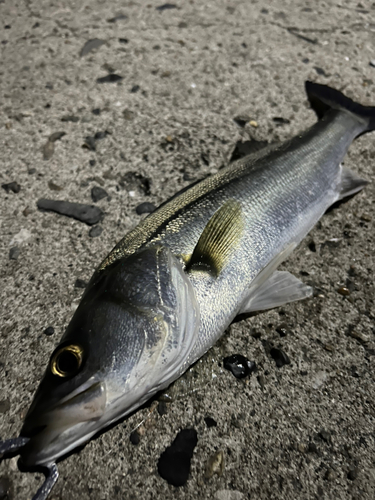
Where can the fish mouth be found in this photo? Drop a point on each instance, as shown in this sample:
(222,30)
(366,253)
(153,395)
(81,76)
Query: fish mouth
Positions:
(72,421)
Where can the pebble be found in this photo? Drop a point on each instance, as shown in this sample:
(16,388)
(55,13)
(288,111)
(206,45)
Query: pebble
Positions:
(166,6)
(70,118)
(134,180)
(96,111)
(5,485)
(320,71)
(145,208)
(372,63)
(4,406)
(80,283)
(56,136)
(49,331)
(54,187)
(95,231)
(343,291)
(135,89)
(253,123)
(89,143)
(14,253)
(282,330)
(128,114)
(325,435)
(123,40)
(162,408)
(85,213)
(353,473)
(111,78)
(359,336)
(11,186)
(118,17)
(215,465)
(280,357)
(48,149)
(135,438)
(98,193)
(330,475)
(174,462)
(239,365)
(91,45)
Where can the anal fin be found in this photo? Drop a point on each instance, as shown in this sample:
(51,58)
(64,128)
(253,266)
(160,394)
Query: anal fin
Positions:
(350,183)
(279,289)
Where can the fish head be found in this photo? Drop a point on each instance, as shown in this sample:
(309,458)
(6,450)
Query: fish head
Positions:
(130,337)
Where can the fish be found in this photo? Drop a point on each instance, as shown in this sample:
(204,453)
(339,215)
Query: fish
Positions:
(170,288)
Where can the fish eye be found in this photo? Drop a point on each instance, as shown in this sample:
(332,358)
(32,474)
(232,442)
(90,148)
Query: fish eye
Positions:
(67,360)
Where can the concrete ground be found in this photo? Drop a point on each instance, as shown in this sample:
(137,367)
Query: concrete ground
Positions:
(305,430)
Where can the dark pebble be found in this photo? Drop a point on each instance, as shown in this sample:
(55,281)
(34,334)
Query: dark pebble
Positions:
(49,331)
(280,121)
(239,365)
(11,186)
(80,283)
(84,213)
(174,462)
(241,120)
(96,111)
(101,135)
(205,158)
(325,435)
(162,408)
(92,163)
(134,180)
(353,473)
(111,78)
(98,193)
(306,60)
(91,45)
(89,143)
(119,17)
(312,448)
(280,357)
(56,136)
(312,246)
(70,118)
(14,253)
(166,6)
(123,40)
(5,485)
(135,89)
(320,71)
(282,330)
(95,231)
(48,149)
(4,406)
(54,187)
(135,437)
(145,208)
(245,148)
(210,422)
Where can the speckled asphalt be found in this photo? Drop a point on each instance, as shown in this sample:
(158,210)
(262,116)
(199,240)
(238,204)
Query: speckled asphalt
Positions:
(305,430)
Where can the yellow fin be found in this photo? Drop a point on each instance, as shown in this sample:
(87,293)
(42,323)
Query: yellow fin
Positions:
(219,238)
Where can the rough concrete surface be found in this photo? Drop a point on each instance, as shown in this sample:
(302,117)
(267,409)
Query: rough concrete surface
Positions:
(305,430)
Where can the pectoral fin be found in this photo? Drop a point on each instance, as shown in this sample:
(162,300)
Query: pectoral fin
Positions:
(279,289)
(219,238)
(350,183)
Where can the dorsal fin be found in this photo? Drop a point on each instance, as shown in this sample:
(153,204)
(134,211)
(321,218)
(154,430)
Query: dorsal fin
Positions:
(219,237)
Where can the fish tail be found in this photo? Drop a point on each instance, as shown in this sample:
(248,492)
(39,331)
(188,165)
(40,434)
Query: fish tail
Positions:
(323,98)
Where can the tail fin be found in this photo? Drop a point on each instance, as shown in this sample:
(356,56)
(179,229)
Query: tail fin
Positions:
(323,98)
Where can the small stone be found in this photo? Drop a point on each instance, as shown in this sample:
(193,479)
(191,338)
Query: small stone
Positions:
(54,187)
(239,365)
(123,40)
(11,186)
(330,475)
(49,331)
(280,121)
(372,63)
(118,17)
(135,89)
(4,406)
(162,408)
(282,330)
(174,462)
(48,149)
(320,71)
(366,217)
(135,438)
(253,123)
(325,435)
(215,465)
(89,143)
(98,193)
(166,6)
(145,208)
(359,336)
(343,291)
(14,253)
(5,485)
(210,422)
(95,231)
(128,115)
(312,448)
(96,111)
(111,78)
(280,357)
(70,118)
(101,135)
(85,213)
(80,283)
(353,473)
(91,45)
(56,136)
